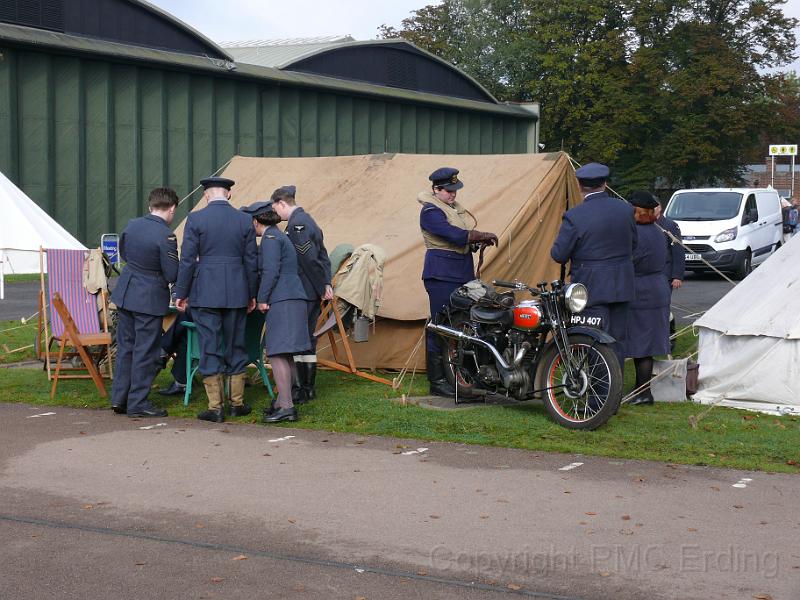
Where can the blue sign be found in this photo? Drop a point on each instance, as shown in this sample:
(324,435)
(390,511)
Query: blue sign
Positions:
(109,244)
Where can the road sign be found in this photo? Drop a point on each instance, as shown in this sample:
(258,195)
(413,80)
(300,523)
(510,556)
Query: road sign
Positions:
(783,150)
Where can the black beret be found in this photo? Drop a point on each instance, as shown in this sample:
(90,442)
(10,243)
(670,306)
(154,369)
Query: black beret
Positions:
(643,199)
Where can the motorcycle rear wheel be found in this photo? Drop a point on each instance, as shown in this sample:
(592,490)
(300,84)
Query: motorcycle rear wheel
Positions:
(594,397)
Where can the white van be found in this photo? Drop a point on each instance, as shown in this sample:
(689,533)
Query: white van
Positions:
(731,228)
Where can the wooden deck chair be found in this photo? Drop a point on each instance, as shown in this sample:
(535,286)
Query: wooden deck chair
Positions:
(73,320)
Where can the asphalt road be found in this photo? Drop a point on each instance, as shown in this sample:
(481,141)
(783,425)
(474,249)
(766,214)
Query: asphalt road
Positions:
(94,506)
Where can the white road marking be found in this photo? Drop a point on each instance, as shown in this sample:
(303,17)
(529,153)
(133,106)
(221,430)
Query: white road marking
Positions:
(40,415)
(417,451)
(571,466)
(742,483)
(153,426)
(359,570)
(283,439)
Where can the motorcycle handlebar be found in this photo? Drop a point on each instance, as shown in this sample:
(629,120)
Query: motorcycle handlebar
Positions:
(509,284)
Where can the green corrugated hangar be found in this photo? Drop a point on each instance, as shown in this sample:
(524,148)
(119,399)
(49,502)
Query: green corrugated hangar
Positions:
(102,100)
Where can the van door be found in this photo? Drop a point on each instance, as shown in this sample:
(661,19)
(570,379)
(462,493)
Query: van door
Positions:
(769,211)
(751,232)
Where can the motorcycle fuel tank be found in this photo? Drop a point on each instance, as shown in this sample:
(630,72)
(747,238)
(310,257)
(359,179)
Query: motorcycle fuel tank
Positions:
(527,315)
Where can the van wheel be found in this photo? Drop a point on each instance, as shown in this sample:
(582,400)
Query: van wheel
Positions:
(745,267)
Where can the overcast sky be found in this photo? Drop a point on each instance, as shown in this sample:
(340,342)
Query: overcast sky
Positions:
(229,20)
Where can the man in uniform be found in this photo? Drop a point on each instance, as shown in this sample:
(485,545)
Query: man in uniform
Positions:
(598,238)
(449,241)
(218,277)
(141,295)
(315,275)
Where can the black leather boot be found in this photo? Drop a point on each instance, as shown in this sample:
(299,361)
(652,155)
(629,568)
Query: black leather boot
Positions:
(439,386)
(309,382)
(299,393)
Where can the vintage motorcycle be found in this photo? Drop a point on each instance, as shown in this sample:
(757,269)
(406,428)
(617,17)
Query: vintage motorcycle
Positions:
(531,349)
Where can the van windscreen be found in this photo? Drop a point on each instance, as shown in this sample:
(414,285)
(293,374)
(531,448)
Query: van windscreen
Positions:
(704,206)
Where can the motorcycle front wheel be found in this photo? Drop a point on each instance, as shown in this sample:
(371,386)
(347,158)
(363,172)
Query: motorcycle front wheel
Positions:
(593,395)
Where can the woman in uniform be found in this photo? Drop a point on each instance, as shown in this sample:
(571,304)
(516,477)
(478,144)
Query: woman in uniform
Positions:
(282,297)
(648,314)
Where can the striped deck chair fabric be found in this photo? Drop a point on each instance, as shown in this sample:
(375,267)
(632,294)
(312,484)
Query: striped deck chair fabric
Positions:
(65,276)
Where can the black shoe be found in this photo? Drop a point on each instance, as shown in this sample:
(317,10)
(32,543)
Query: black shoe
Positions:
(176,389)
(215,416)
(271,408)
(439,386)
(643,398)
(282,414)
(163,359)
(240,411)
(153,412)
(120,409)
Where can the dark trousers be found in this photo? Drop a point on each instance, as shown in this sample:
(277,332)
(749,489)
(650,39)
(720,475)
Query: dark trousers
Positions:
(438,297)
(313,311)
(173,341)
(615,323)
(222,341)
(138,338)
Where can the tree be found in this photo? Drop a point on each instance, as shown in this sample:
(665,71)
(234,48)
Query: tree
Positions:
(666,91)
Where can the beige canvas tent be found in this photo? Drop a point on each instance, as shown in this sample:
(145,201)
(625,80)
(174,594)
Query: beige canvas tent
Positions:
(372,199)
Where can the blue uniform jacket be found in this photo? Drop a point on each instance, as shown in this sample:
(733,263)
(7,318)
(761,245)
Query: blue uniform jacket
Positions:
(676,259)
(315,266)
(649,262)
(219,258)
(445,265)
(277,264)
(599,237)
(150,250)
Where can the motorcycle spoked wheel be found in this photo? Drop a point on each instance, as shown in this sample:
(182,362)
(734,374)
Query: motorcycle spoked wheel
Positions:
(465,375)
(591,401)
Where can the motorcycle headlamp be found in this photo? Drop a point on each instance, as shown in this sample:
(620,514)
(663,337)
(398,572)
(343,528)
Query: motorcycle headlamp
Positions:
(576,297)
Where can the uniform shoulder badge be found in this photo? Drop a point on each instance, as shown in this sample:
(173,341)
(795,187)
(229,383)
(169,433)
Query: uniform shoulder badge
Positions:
(270,236)
(299,227)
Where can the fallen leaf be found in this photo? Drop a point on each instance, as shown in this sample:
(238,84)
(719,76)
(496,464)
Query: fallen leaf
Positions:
(591,514)
(626,517)
(360,441)
(266,454)
(199,526)
(401,446)
(715,488)
(240,557)
(791,462)
(691,529)
(81,433)
(217,580)
(626,532)
(397,452)
(604,573)
(356,470)
(582,523)
(299,588)
(324,440)
(503,500)
(484,516)
(762,597)
(762,523)
(514,586)
(140,563)
(567,492)
(87,507)
(291,520)
(189,495)
(422,573)
(435,516)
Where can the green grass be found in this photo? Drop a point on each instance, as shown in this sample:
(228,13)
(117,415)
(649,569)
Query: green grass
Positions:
(15,337)
(724,437)
(22,277)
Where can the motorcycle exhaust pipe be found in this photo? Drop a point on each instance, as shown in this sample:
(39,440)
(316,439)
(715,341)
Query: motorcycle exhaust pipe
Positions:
(459,335)
(521,354)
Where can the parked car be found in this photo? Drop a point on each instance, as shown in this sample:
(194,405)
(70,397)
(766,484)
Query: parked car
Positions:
(733,229)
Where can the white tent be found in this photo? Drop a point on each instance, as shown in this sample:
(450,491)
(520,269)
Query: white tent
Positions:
(749,350)
(24,228)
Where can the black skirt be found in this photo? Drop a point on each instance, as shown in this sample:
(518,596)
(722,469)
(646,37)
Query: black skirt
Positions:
(287,328)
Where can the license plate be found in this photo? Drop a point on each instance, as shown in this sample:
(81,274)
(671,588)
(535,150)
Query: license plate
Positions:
(692,257)
(586,320)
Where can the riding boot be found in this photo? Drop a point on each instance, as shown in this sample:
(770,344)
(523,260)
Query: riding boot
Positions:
(309,380)
(439,386)
(644,372)
(299,393)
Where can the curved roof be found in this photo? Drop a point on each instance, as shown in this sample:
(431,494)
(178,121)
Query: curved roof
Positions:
(134,22)
(393,63)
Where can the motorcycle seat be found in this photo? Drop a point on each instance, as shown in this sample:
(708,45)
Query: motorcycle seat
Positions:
(491,314)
